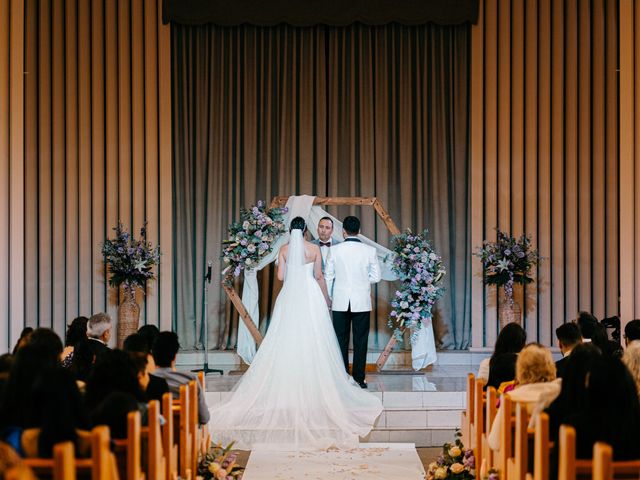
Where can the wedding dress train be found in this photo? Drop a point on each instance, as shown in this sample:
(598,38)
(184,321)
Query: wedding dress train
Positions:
(296,393)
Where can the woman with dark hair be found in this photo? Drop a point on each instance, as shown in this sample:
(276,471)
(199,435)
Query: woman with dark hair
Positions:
(57,416)
(24,338)
(611,413)
(573,393)
(117,371)
(29,361)
(76,332)
(82,361)
(511,340)
(114,371)
(296,393)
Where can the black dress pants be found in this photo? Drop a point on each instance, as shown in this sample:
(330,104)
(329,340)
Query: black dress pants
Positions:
(342,322)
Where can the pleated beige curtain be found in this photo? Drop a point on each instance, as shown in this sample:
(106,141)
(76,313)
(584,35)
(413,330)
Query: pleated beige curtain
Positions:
(329,111)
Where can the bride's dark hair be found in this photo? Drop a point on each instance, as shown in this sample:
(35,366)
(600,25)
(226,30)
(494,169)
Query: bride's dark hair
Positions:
(298,223)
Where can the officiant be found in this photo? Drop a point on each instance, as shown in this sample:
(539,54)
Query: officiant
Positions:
(325,240)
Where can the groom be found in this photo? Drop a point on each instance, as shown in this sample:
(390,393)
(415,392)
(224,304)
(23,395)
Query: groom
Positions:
(350,270)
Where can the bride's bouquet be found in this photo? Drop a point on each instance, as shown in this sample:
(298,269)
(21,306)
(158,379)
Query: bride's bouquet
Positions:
(420,270)
(251,239)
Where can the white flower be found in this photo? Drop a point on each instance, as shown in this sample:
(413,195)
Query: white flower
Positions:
(457,468)
(503,265)
(251,248)
(455,451)
(441,473)
(246,225)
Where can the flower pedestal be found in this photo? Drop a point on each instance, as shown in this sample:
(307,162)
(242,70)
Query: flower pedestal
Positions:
(508,309)
(128,314)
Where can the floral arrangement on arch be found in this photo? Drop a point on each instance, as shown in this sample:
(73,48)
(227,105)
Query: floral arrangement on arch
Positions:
(455,463)
(130,261)
(219,463)
(250,239)
(507,261)
(420,270)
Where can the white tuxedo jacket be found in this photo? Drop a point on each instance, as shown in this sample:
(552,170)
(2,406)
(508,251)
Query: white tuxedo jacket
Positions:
(350,270)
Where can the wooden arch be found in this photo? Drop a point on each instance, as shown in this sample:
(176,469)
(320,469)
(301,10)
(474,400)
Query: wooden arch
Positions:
(327,201)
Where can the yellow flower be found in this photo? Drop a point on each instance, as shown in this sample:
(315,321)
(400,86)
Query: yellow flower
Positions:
(214,467)
(457,468)
(455,451)
(433,466)
(441,473)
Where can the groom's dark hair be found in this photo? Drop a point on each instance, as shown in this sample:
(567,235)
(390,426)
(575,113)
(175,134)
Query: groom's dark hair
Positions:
(298,223)
(351,225)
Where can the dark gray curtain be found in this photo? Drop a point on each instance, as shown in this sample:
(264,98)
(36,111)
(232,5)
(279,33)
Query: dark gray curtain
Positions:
(329,111)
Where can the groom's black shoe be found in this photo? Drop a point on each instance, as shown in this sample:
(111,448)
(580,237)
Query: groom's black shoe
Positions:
(363,384)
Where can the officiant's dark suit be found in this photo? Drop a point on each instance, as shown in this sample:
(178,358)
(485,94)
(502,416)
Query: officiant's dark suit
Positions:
(350,270)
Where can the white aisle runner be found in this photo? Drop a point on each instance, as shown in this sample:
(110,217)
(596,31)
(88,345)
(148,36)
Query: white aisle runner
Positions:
(388,461)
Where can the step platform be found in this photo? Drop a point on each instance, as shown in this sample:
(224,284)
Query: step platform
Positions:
(422,407)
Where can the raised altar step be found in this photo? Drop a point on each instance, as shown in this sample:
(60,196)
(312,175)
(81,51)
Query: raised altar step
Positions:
(422,408)
(230,360)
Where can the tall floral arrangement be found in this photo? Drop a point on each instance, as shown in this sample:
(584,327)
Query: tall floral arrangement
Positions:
(130,261)
(219,463)
(508,261)
(455,462)
(250,239)
(420,270)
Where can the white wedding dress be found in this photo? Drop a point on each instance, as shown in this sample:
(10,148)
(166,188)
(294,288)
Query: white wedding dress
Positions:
(296,394)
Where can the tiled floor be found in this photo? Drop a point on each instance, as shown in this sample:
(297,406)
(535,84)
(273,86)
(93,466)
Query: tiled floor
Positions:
(438,378)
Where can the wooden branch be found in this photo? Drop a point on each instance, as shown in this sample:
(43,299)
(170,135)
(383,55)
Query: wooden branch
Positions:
(386,218)
(384,356)
(246,318)
(366,201)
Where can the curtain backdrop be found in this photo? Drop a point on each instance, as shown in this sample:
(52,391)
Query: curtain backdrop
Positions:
(327,111)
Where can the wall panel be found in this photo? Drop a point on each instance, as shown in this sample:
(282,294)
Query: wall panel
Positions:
(85,141)
(541,141)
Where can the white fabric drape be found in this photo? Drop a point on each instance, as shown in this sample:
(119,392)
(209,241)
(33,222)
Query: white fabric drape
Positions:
(423,349)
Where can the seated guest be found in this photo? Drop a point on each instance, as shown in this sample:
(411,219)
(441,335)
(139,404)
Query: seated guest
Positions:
(150,334)
(82,362)
(536,385)
(587,324)
(34,357)
(568,338)
(6,360)
(611,413)
(57,416)
(76,332)
(631,359)
(99,333)
(511,339)
(113,411)
(573,393)
(114,371)
(631,331)
(502,375)
(593,331)
(24,337)
(164,352)
(156,387)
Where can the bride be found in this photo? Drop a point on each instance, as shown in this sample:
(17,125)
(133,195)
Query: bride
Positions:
(296,394)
